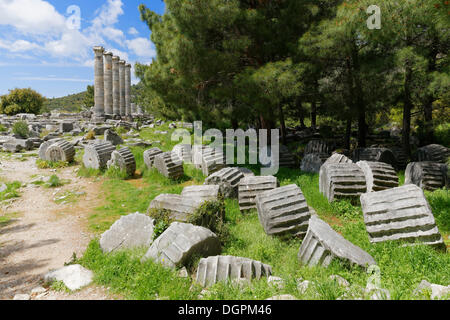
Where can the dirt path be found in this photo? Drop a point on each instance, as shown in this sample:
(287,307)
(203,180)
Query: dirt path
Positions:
(44,235)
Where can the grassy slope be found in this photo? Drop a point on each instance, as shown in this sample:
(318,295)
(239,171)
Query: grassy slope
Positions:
(402,268)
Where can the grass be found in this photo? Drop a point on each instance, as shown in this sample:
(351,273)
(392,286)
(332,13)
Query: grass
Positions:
(402,268)
(44,164)
(12,191)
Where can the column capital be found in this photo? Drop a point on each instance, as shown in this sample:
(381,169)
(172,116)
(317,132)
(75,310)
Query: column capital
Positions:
(99,50)
(108,54)
(122,62)
(116,58)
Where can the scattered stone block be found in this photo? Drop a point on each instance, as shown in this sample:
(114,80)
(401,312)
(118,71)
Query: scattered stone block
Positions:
(283,211)
(375,155)
(312,162)
(124,160)
(17,145)
(339,280)
(283,297)
(379,175)
(44,146)
(434,153)
(97,155)
(74,276)
(149,156)
(212,162)
(427,175)
(169,165)
(320,147)
(180,242)
(22,297)
(228,181)
(113,137)
(61,150)
(437,291)
(132,231)
(341,180)
(184,152)
(337,158)
(225,268)
(322,245)
(251,186)
(180,207)
(65,127)
(203,193)
(401,213)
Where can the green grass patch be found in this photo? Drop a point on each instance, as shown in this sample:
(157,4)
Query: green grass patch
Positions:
(11,191)
(44,164)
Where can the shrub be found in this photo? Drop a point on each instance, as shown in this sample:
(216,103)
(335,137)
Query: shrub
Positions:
(54,181)
(211,215)
(442,134)
(20,128)
(45,164)
(21,101)
(163,220)
(3,128)
(115,172)
(90,135)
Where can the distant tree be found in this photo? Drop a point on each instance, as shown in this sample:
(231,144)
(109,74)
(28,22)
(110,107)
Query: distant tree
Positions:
(88,99)
(21,101)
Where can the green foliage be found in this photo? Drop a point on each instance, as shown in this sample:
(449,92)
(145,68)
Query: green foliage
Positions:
(439,201)
(54,181)
(88,99)
(115,172)
(442,134)
(12,191)
(346,210)
(211,215)
(20,128)
(3,128)
(90,135)
(21,101)
(45,164)
(162,219)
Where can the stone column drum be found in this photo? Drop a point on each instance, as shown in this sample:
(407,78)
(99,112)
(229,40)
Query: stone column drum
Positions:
(116,85)
(99,86)
(128,89)
(108,76)
(122,87)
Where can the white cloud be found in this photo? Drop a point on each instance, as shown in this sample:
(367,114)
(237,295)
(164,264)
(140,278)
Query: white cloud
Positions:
(142,47)
(52,78)
(19,46)
(133,31)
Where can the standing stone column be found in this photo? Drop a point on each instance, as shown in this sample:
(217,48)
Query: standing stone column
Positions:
(133,108)
(108,84)
(128,89)
(116,85)
(99,85)
(122,87)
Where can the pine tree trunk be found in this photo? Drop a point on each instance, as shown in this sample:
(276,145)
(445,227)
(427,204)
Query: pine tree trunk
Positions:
(282,123)
(407,107)
(313,115)
(348,133)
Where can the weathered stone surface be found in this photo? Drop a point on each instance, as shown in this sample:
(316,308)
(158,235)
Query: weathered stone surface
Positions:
(313,161)
(337,158)
(203,193)
(198,152)
(149,156)
(228,181)
(322,245)
(433,152)
(437,291)
(124,160)
(375,154)
(132,231)
(401,158)
(97,155)
(184,152)
(251,186)
(180,242)
(169,165)
(113,137)
(17,145)
(44,146)
(401,213)
(74,276)
(22,297)
(180,207)
(225,268)
(319,146)
(65,127)
(212,162)
(283,297)
(342,180)
(286,159)
(283,211)
(379,175)
(427,175)
(61,150)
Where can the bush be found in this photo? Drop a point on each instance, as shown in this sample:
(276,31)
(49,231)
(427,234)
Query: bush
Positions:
(21,101)
(20,128)
(442,134)
(211,215)
(162,221)
(3,128)
(90,135)
(54,181)
(45,164)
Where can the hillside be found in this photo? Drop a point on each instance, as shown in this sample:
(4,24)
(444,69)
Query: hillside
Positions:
(70,103)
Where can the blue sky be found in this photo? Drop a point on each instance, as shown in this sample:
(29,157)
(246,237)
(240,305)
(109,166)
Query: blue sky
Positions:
(42,46)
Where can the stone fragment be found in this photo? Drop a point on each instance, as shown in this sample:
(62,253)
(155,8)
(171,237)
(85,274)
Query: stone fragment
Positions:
(342,180)
(74,276)
(184,152)
(251,186)
(320,147)
(113,137)
(322,245)
(375,155)
(44,146)
(203,193)
(433,152)
(169,165)
(22,297)
(180,242)
(339,280)
(401,213)
(427,175)
(61,150)
(97,155)
(124,160)
(283,297)
(180,207)
(283,211)
(65,127)
(276,282)
(437,291)
(225,268)
(132,231)
(379,175)
(17,145)
(228,181)
(313,161)
(337,158)
(212,162)
(149,156)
